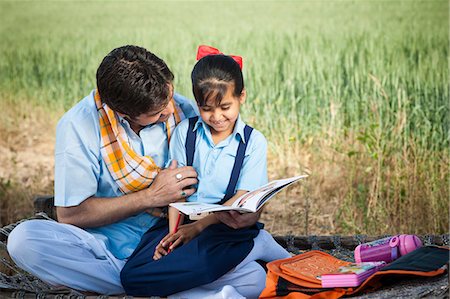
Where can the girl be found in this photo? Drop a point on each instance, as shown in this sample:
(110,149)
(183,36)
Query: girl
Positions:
(218,88)
(230,160)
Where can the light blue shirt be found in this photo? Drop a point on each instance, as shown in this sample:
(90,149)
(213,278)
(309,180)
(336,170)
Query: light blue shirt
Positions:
(214,163)
(80,171)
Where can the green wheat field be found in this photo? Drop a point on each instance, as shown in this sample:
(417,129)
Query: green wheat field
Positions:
(355,93)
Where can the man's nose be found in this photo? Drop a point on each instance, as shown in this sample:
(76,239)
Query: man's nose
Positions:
(169,109)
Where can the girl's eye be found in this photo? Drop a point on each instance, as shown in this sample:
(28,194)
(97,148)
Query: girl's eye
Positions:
(206,109)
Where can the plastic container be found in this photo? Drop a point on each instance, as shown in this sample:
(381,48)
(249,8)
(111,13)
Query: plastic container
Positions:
(386,249)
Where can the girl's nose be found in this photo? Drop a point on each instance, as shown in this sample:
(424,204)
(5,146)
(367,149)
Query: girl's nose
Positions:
(217,114)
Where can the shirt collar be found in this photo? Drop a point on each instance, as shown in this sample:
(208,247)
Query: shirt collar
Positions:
(238,128)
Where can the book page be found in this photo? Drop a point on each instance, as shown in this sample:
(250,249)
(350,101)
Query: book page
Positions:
(254,200)
(249,202)
(192,208)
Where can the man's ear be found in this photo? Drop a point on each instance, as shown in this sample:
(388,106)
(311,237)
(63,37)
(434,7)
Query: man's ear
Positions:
(125,116)
(243,96)
(122,115)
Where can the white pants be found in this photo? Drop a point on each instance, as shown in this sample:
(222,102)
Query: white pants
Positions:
(63,254)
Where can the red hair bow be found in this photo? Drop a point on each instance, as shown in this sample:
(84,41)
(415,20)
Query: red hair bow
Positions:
(207,50)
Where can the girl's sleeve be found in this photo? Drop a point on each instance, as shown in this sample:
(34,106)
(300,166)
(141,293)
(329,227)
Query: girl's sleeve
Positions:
(254,169)
(177,150)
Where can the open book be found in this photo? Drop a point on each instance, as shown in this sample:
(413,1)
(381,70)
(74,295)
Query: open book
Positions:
(247,203)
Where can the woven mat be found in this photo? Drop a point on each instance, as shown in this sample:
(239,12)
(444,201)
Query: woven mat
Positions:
(15,283)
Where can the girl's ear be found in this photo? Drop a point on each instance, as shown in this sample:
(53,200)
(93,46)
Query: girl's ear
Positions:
(243,96)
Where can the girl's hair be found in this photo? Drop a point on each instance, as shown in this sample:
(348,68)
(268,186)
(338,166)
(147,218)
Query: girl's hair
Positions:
(211,77)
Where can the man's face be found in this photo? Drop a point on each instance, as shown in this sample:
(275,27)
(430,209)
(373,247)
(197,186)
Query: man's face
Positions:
(153,117)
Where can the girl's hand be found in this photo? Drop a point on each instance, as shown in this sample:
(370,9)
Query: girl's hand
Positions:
(184,234)
(237,220)
(160,250)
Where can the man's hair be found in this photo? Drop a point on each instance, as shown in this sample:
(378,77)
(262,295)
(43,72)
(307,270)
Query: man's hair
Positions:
(133,81)
(211,77)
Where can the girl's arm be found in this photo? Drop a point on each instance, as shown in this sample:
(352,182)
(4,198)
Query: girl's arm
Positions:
(187,232)
(174,222)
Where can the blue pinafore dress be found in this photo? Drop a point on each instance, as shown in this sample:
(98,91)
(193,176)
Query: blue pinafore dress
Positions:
(204,259)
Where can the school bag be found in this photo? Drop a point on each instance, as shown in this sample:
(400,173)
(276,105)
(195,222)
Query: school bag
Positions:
(296,277)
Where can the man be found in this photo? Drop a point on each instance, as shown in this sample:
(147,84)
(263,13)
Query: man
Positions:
(110,151)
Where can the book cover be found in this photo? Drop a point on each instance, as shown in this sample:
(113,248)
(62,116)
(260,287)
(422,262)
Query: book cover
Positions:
(351,275)
(247,203)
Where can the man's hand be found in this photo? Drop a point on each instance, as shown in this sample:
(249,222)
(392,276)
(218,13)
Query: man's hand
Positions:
(172,184)
(237,220)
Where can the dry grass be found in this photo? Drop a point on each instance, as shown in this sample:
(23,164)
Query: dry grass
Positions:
(350,192)
(26,156)
(345,193)
(310,206)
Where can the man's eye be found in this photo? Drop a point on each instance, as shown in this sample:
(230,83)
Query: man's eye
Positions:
(225,107)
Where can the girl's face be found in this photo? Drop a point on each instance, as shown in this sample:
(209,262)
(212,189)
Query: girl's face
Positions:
(222,117)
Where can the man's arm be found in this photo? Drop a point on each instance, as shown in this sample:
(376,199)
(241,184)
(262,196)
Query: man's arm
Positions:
(165,189)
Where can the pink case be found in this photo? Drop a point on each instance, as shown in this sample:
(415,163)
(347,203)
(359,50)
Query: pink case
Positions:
(386,249)
(407,243)
(349,279)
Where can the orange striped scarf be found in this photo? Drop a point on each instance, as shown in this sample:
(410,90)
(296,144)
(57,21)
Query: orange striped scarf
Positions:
(131,171)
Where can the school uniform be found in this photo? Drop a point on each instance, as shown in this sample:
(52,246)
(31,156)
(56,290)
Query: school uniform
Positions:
(218,249)
(214,162)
